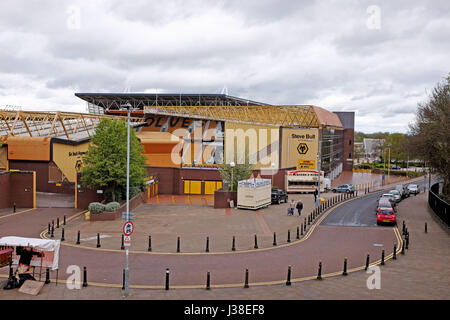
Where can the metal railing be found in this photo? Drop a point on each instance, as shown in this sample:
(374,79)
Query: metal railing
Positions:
(440,207)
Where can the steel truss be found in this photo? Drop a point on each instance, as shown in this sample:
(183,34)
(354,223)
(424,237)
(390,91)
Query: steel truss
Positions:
(64,125)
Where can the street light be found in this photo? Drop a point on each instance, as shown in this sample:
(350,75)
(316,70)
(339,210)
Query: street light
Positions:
(272,166)
(389,162)
(127,276)
(232,164)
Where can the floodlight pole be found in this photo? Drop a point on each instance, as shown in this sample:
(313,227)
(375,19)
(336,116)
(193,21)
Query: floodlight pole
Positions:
(127,277)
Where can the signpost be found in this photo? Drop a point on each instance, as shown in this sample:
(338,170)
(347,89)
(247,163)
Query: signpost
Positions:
(128,228)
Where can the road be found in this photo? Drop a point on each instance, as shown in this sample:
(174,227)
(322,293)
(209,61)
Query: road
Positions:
(360,212)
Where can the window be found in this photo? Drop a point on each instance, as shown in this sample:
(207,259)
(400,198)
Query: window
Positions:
(349,155)
(350,141)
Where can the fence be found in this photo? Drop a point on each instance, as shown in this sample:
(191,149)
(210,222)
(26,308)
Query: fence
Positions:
(439,206)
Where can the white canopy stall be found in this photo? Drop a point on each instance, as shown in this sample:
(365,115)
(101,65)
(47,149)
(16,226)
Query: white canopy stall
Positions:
(49,248)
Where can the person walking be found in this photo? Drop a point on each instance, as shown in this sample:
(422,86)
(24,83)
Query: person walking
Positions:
(299,207)
(291,208)
(315,195)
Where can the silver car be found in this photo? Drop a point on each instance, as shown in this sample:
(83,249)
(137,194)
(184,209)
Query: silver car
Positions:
(397,195)
(413,189)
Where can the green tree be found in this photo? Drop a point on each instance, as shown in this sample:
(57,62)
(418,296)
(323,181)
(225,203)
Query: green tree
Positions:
(239,172)
(431,131)
(105,162)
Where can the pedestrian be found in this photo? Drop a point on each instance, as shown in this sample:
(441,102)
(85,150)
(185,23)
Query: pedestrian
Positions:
(315,195)
(299,207)
(291,208)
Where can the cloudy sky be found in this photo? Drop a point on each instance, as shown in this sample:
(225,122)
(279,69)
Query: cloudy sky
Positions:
(377,58)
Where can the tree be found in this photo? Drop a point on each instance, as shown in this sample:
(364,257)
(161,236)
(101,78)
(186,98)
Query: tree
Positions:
(431,131)
(239,172)
(105,162)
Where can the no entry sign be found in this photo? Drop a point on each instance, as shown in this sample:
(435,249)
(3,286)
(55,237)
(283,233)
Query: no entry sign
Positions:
(128,228)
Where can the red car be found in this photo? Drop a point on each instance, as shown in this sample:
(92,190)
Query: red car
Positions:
(383,203)
(386,215)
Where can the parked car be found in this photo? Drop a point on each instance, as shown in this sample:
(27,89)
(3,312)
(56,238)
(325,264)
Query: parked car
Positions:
(413,189)
(383,203)
(390,197)
(397,195)
(347,188)
(386,215)
(402,190)
(279,196)
(396,167)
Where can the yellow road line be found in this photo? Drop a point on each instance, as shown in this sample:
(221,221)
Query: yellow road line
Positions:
(16,213)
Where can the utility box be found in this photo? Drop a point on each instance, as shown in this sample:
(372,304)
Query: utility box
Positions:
(254,193)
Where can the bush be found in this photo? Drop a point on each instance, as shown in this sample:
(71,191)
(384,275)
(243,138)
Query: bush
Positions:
(112,206)
(134,191)
(96,207)
(108,195)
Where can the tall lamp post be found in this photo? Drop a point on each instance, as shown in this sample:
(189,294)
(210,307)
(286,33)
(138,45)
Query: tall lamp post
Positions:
(272,166)
(319,165)
(127,276)
(232,164)
(389,163)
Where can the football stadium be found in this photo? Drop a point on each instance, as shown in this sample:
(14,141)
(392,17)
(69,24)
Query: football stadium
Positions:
(186,138)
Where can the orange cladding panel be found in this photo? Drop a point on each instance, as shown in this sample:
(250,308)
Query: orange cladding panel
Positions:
(28,148)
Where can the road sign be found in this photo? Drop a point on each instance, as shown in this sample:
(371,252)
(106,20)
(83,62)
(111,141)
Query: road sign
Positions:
(128,228)
(306,164)
(127,241)
(130,216)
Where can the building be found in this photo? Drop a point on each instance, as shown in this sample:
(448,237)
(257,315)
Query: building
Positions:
(186,137)
(373,148)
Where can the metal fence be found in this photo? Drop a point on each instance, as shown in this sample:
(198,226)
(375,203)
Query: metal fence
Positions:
(439,206)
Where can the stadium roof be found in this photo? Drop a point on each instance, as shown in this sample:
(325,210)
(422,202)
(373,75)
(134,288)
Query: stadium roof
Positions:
(140,100)
(219,107)
(62,125)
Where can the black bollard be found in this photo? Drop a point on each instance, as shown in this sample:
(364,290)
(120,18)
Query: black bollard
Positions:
(382,257)
(345,268)
(178,244)
(85,284)
(246,279)
(208,281)
(98,240)
(123,279)
(288,281)
(52,232)
(49,229)
(301,229)
(274,239)
(394,254)
(122,244)
(167,278)
(407,240)
(57,223)
(64,221)
(47,276)
(289,236)
(14,207)
(403,228)
(149,243)
(304,226)
(233,247)
(78,237)
(367,262)
(426,229)
(207,244)
(309,220)
(62,235)
(403,247)
(319,273)
(298,233)
(256,242)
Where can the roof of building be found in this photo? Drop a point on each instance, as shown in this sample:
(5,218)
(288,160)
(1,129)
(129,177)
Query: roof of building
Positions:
(63,125)
(216,107)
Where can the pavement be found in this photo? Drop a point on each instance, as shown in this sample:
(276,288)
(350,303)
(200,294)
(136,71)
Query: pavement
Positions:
(404,278)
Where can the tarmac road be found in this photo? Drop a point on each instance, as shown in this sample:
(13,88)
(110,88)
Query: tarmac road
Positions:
(359,212)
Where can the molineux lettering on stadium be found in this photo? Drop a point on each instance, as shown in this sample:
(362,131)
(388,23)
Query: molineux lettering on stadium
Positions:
(159,121)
